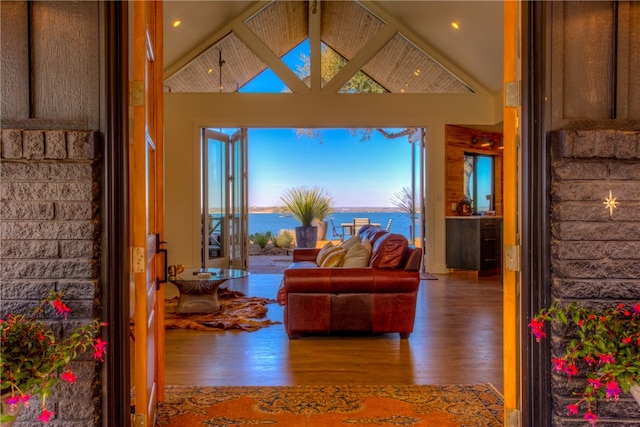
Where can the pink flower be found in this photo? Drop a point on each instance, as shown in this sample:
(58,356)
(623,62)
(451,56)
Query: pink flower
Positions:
(626,340)
(99,349)
(45,416)
(61,308)
(595,383)
(572,409)
(537,329)
(636,308)
(606,359)
(12,401)
(613,390)
(571,370)
(558,364)
(591,417)
(68,376)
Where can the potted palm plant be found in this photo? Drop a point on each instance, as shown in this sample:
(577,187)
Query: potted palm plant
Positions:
(306,205)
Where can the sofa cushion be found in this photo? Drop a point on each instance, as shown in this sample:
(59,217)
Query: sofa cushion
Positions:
(388,251)
(348,244)
(335,258)
(324,252)
(358,255)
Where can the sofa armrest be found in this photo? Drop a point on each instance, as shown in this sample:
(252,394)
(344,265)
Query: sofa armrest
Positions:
(305,254)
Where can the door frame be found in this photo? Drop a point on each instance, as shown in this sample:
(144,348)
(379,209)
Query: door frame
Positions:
(115,236)
(536,406)
(535,186)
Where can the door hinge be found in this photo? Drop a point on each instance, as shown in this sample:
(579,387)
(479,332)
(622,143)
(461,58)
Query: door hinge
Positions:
(512,94)
(512,258)
(137,420)
(136,93)
(513,418)
(137,262)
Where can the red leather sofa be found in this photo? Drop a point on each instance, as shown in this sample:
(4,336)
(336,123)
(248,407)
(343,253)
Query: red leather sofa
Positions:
(380,298)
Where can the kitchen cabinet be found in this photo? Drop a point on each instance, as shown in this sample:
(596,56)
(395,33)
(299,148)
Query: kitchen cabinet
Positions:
(474,243)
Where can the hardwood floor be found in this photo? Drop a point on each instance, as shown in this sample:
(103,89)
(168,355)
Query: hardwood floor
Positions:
(457,339)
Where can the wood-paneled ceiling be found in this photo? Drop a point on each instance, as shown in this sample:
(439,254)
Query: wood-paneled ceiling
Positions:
(405,46)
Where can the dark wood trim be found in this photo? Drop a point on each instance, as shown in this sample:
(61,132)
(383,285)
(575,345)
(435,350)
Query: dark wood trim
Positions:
(116,407)
(535,190)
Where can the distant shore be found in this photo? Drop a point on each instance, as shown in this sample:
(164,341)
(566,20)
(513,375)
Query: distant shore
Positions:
(276,209)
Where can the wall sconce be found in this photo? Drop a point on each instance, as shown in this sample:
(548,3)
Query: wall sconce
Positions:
(501,146)
(487,142)
(474,140)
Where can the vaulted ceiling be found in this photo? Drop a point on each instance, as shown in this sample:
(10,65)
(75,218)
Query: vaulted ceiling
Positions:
(405,46)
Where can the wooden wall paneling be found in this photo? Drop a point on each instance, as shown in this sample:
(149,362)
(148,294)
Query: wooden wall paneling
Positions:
(14,68)
(588,59)
(458,142)
(633,89)
(65,61)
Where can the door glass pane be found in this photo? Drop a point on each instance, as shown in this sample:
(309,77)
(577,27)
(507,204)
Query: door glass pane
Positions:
(214,179)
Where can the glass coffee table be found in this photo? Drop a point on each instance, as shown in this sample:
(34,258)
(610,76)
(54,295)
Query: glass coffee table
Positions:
(199,288)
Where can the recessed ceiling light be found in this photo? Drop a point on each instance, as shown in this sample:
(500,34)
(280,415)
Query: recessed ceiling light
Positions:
(176,23)
(210,70)
(455,25)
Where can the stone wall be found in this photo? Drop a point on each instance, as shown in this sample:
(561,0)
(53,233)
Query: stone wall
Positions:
(594,255)
(50,240)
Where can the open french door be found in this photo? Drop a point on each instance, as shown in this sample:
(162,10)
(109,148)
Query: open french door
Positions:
(146,174)
(225,229)
(419,156)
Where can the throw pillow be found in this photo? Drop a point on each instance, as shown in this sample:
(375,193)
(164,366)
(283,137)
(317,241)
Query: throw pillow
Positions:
(335,258)
(347,244)
(358,256)
(326,249)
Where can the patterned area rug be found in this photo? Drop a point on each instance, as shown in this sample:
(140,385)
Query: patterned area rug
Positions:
(237,311)
(310,406)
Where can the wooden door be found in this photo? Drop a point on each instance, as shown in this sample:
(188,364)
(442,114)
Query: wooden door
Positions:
(238,200)
(511,242)
(225,200)
(146,174)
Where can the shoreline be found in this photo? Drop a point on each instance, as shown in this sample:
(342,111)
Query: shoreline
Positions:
(272,210)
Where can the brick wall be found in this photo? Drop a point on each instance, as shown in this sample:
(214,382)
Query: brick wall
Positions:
(594,256)
(50,240)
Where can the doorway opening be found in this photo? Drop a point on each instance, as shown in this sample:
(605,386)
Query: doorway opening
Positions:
(372,173)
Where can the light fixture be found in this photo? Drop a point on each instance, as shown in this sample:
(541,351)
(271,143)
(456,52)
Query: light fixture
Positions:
(474,140)
(176,23)
(501,145)
(416,72)
(486,142)
(220,64)
(455,25)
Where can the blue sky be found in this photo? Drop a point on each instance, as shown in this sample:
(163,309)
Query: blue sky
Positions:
(355,173)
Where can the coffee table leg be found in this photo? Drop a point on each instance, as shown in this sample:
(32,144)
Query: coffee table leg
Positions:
(196,299)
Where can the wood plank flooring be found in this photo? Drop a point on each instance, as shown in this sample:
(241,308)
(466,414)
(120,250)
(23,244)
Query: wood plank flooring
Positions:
(457,339)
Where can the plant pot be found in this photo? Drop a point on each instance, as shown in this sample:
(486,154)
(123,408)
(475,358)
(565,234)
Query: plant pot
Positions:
(322,230)
(306,236)
(635,392)
(6,410)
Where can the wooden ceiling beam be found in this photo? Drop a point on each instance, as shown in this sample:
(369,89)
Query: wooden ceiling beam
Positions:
(271,60)
(377,42)
(315,24)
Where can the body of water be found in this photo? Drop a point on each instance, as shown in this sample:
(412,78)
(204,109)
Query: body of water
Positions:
(274,222)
